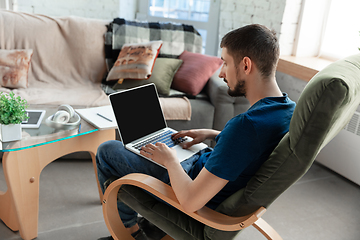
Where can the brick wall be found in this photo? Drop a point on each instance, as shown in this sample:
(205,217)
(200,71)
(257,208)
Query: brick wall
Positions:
(105,9)
(237,13)
(278,15)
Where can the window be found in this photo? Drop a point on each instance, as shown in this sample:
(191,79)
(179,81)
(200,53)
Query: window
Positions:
(5,4)
(329,29)
(341,34)
(202,14)
(196,10)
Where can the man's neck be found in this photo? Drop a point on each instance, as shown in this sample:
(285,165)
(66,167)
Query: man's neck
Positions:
(263,88)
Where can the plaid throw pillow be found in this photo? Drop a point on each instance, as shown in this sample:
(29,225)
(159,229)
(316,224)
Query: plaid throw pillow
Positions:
(176,38)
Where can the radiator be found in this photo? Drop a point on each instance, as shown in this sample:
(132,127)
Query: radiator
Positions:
(342,154)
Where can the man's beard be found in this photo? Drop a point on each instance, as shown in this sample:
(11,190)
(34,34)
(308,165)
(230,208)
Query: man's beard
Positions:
(239,89)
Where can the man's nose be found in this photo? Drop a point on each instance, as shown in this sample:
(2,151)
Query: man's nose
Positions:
(221,74)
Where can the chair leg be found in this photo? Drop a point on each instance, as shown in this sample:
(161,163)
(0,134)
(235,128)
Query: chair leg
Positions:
(266,230)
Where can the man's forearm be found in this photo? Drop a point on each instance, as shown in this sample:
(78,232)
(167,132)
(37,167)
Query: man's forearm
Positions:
(193,194)
(212,133)
(181,184)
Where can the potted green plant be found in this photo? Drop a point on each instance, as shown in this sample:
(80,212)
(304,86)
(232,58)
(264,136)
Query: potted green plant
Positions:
(12,113)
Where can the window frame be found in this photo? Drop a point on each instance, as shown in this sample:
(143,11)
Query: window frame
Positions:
(309,25)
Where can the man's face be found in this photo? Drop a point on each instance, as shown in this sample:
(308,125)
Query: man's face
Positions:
(232,75)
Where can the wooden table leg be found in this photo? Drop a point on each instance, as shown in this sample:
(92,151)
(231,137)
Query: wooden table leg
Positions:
(7,211)
(22,171)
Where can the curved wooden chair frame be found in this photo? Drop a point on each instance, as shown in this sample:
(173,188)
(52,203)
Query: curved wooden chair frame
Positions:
(205,215)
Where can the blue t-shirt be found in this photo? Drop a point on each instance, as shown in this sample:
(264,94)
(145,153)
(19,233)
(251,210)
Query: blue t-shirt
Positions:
(245,143)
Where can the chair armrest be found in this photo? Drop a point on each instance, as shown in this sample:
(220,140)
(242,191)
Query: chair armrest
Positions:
(226,107)
(205,215)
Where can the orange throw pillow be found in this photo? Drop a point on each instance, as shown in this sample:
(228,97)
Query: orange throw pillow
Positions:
(14,67)
(135,61)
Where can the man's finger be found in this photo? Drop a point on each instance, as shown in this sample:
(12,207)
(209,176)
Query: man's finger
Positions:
(150,146)
(147,149)
(190,144)
(179,134)
(160,144)
(146,154)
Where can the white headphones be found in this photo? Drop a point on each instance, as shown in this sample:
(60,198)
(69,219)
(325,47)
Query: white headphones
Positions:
(65,118)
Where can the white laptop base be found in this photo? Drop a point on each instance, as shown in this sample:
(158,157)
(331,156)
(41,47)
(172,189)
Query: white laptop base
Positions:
(181,153)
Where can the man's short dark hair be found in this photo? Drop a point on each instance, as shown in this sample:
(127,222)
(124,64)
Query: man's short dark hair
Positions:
(256,42)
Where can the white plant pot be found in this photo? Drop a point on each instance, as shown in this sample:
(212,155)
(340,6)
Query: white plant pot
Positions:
(11,132)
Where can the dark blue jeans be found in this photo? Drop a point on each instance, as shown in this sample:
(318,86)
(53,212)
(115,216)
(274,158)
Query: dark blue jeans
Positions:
(113,159)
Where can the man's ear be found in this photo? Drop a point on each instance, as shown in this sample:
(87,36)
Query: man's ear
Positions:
(247,65)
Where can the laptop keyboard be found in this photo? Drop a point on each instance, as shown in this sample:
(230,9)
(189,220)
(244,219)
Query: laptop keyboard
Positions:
(164,137)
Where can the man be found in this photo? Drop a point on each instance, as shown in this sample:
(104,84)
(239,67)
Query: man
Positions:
(250,55)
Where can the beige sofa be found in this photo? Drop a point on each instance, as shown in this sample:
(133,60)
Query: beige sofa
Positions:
(68,65)
(67,61)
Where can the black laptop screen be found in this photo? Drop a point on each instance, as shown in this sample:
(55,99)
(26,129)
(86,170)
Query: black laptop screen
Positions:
(137,112)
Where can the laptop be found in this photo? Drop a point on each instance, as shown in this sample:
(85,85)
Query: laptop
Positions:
(140,120)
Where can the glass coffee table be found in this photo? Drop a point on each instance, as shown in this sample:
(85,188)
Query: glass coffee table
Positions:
(24,160)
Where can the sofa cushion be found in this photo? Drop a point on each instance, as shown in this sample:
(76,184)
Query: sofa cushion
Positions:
(135,61)
(162,76)
(14,67)
(194,73)
(176,37)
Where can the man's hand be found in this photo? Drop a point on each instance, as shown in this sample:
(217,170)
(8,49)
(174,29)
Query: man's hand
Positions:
(198,136)
(159,152)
